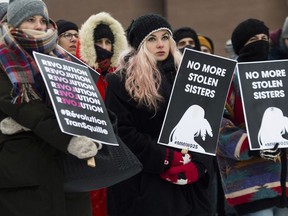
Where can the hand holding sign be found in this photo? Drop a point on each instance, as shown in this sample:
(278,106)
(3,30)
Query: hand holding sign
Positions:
(78,105)
(84,147)
(191,123)
(264,95)
(271,154)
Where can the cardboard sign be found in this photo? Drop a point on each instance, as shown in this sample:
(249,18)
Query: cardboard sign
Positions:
(197,102)
(264,91)
(78,105)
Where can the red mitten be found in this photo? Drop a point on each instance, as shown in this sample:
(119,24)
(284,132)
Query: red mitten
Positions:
(184,174)
(176,158)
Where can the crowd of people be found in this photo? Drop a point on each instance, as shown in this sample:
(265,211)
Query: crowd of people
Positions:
(137,68)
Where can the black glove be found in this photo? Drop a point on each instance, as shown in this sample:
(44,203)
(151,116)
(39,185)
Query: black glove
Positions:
(271,154)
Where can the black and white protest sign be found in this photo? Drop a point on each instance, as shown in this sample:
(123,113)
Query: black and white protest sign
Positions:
(196,104)
(264,91)
(95,75)
(78,105)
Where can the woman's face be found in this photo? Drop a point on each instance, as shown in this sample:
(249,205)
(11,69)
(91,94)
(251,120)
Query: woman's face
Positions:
(158,44)
(256,38)
(187,41)
(104,43)
(68,40)
(35,22)
(205,49)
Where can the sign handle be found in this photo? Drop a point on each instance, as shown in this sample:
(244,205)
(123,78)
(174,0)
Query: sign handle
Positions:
(91,162)
(184,151)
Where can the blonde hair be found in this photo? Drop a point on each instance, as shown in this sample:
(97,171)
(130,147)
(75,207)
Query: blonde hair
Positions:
(143,79)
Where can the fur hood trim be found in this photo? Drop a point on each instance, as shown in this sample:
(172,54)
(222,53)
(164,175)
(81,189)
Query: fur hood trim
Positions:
(87,49)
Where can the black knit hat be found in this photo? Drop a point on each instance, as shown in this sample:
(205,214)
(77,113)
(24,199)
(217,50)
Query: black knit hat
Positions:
(143,26)
(64,25)
(186,32)
(245,30)
(103,31)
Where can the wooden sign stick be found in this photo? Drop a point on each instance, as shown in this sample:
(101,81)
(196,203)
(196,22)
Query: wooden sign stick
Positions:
(91,162)
(184,151)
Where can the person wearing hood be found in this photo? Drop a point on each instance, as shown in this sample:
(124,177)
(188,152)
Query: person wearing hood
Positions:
(101,40)
(186,37)
(254,182)
(31,181)
(171,182)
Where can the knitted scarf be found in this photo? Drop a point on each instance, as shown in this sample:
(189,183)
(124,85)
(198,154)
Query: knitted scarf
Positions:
(16,49)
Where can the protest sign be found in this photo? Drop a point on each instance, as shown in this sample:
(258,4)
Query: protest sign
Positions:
(264,92)
(95,75)
(77,103)
(196,104)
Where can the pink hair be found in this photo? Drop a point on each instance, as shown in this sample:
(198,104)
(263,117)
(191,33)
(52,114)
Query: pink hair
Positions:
(143,78)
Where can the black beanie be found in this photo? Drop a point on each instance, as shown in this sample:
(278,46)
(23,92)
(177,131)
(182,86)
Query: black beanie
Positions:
(64,25)
(186,32)
(143,26)
(245,30)
(103,31)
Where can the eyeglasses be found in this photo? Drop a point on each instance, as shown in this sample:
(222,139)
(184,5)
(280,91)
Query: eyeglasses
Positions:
(69,36)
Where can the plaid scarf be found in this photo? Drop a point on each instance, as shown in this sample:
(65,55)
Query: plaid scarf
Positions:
(16,49)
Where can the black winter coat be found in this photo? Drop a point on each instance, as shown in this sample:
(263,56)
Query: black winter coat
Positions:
(146,193)
(31,182)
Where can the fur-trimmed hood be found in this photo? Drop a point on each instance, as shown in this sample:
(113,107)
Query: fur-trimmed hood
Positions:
(86,39)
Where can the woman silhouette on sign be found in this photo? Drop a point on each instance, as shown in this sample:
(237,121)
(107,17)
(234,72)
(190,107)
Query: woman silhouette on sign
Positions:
(274,125)
(191,125)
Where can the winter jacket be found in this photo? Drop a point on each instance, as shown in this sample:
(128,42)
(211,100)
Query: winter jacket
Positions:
(146,193)
(250,183)
(86,45)
(31,182)
(86,52)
